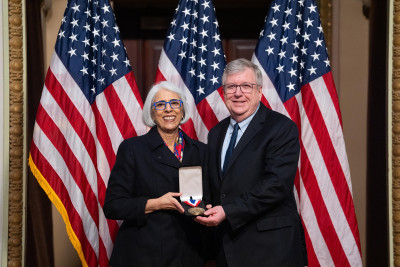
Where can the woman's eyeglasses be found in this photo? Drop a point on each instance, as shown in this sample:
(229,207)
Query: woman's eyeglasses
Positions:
(161,105)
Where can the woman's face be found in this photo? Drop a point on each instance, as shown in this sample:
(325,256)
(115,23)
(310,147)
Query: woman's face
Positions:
(167,120)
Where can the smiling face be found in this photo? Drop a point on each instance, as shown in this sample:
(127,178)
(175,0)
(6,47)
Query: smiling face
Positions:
(167,120)
(242,105)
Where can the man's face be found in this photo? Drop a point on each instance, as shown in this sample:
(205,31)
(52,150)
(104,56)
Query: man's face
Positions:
(242,105)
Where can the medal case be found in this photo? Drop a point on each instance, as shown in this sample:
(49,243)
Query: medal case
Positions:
(191,187)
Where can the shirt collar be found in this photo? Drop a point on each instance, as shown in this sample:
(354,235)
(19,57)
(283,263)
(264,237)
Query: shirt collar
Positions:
(243,124)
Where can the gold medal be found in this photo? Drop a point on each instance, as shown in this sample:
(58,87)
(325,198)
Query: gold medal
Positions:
(196,211)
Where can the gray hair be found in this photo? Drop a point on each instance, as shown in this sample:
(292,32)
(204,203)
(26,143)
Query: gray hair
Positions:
(239,65)
(147,110)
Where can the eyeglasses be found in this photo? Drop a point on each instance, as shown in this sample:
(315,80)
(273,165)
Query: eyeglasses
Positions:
(161,105)
(230,88)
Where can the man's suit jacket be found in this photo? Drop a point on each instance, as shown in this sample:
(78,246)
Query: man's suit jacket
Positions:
(145,168)
(262,226)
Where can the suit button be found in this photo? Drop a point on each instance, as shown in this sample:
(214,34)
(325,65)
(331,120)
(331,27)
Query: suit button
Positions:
(222,195)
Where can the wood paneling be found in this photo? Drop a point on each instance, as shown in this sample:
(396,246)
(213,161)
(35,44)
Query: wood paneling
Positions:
(238,48)
(152,51)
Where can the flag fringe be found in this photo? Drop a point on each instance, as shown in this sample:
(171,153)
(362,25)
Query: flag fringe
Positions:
(60,207)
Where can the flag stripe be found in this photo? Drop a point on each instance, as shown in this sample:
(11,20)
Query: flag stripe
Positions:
(103,137)
(314,240)
(59,142)
(331,201)
(103,111)
(81,128)
(68,107)
(133,94)
(74,93)
(207,114)
(216,105)
(118,113)
(306,172)
(333,95)
(322,215)
(103,254)
(131,104)
(331,160)
(334,124)
(74,164)
(68,193)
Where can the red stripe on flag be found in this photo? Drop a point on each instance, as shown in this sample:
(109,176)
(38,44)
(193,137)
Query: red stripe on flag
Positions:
(315,196)
(103,257)
(207,114)
(105,142)
(73,115)
(321,213)
(189,129)
(292,108)
(312,258)
(330,158)
(132,84)
(60,190)
(118,111)
(332,92)
(103,137)
(159,76)
(221,93)
(265,102)
(74,166)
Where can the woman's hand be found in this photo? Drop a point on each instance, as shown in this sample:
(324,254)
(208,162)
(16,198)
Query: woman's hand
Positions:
(165,202)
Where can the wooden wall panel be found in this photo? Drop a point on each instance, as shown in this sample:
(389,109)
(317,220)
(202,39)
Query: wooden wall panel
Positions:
(134,49)
(239,48)
(152,51)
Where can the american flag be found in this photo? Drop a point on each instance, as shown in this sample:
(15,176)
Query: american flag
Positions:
(298,82)
(192,57)
(89,104)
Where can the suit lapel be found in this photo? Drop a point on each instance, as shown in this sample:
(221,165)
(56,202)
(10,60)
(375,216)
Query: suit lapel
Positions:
(254,127)
(160,151)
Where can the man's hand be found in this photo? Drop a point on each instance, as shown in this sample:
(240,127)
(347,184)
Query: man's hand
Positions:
(214,217)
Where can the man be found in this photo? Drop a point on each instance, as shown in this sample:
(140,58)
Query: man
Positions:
(251,189)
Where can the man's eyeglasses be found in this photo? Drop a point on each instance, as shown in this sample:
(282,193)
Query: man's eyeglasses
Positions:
(230,88)
(161,105)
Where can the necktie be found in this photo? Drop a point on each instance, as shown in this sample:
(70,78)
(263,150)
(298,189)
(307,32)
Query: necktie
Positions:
(231,146)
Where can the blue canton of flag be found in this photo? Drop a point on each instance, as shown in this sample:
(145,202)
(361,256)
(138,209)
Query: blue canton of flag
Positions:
(194,47)
(90,47)
(293,43)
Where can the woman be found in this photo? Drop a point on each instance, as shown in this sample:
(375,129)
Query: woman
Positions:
(144,184)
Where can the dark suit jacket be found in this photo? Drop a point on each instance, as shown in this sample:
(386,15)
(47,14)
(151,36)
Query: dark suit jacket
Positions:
(145,168)
(262,226)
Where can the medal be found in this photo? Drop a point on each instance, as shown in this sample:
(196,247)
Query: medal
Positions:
(196,211)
